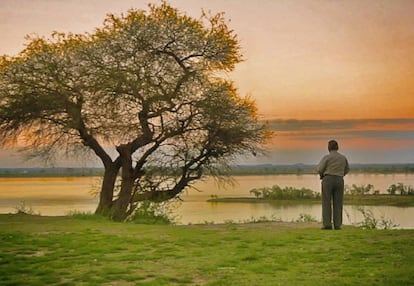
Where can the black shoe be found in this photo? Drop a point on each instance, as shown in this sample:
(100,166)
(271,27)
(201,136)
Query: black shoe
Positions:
(326,227)
(337,228)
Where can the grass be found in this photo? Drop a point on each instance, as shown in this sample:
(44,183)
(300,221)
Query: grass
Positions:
(371,200)
(37,250)
(380,200)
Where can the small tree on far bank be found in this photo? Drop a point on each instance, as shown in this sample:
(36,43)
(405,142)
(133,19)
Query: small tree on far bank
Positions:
(146,85)
(400,189)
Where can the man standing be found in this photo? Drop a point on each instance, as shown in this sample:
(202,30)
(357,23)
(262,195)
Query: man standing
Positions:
(332,169)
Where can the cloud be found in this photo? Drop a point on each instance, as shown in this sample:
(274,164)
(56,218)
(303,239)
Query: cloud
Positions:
(346,124)
(358,135)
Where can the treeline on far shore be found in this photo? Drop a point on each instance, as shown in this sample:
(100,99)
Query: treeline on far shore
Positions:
(240,170)
(301,169)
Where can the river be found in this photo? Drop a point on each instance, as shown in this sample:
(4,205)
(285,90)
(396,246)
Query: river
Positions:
(59,196)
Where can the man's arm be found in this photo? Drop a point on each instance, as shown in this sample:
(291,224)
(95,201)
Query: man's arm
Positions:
(346,171)
(321,167)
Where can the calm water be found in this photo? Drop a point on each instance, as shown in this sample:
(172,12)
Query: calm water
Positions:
(59,196)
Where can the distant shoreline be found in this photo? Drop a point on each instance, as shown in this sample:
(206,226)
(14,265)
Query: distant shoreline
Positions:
(236,170)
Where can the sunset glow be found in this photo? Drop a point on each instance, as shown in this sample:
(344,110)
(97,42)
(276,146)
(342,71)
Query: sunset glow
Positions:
(317,69)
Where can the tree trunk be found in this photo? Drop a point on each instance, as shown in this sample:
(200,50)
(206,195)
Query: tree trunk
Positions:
(107,191)
(120,206)
(119,209)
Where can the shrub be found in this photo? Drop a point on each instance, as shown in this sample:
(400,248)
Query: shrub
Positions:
(306,218)
(286,193)
(23,208)
(86,215)
(400,189)
(361,190)
(370,222)
(153,213)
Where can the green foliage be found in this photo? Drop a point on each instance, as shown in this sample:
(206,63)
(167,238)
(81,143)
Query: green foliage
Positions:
(153,213)
(360,190)
(146,86)
(286,193)
(86,216)
(371,222)
(394,189)
(400,189)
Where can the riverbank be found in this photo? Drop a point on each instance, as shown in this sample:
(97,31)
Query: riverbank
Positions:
(38,250)
(235,170)
(356,200)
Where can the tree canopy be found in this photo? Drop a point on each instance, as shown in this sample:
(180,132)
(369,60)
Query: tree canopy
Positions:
(148,84)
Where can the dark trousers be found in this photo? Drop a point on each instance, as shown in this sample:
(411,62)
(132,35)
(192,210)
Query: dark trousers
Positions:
(332,201)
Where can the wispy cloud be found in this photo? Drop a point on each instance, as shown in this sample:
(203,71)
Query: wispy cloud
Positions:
(348,124)
(355,134)
(363,141)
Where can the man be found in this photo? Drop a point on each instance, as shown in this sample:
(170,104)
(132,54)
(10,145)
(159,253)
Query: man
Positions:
(332,169)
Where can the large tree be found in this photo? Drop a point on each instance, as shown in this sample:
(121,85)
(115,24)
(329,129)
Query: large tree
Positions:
(148,83)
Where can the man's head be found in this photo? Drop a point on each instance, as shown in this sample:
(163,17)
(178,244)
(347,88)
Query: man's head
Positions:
(333,145)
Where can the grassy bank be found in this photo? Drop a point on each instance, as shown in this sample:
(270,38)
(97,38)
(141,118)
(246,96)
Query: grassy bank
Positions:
(37,250)
(357,200)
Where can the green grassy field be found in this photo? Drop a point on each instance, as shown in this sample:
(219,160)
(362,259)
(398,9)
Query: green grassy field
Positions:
(36,250)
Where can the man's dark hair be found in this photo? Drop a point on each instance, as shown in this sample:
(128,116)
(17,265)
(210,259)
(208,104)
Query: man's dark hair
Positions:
(333,145)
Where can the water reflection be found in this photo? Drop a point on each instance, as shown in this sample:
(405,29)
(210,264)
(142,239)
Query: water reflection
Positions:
(203,212)
(59,196)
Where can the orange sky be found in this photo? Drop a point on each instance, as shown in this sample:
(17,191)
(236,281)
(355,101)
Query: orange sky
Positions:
(304,60)
(311,59)
(331,59)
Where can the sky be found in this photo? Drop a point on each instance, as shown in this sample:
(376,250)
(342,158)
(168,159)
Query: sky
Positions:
(317,69)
